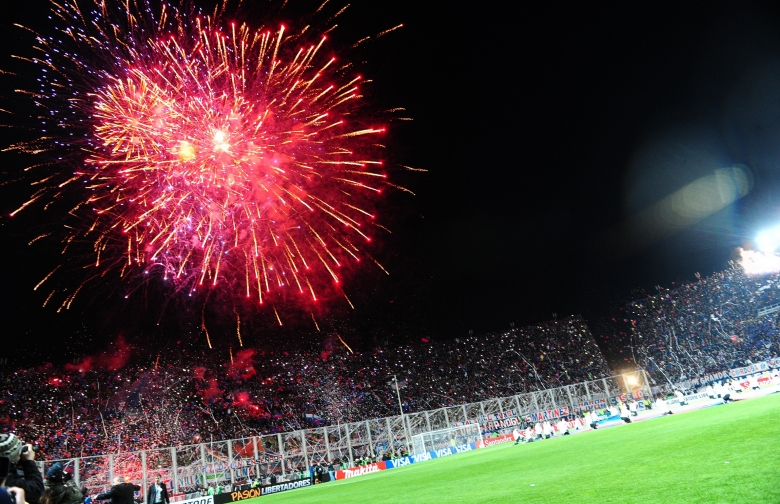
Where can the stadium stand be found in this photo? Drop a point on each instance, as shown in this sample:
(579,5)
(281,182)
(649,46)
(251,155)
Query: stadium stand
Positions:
(89,410)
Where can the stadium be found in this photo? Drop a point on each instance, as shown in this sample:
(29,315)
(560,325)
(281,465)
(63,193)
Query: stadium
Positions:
(179,423)
(237,270)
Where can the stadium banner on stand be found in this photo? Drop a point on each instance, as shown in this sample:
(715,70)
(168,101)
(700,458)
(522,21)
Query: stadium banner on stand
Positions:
(509,418)
(734,373)
(503,415)
(753,368)
(590,405)
(360,471)
(190,480)
(548,415)
(500,424)
(241,474)
(206,499)
(635,395)
(461,424)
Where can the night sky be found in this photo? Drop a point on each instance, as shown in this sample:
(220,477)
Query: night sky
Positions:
(550,134)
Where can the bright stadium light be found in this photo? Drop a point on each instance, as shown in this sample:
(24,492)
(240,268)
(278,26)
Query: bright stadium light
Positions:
(756,262)
(769,239)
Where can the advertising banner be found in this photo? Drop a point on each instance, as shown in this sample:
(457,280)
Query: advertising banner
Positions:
(208,499)
(548,415)
(411,459)
(589,405)
(759,367)
(251,493)
(501,424)
(688,398)
(748,370)
(360,471)
(452,450)
(399,462)
(506,438)
(503,415)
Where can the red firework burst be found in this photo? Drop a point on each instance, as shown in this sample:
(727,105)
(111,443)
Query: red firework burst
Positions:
(217,156)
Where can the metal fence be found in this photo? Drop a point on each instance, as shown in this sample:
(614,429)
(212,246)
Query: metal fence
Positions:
(237,460)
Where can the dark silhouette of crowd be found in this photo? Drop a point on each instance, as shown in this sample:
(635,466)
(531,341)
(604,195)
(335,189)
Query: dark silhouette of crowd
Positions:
(128,402)
(714,324)
(131,404)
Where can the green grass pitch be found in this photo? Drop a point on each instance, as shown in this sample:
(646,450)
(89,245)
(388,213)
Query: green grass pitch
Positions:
(724,454)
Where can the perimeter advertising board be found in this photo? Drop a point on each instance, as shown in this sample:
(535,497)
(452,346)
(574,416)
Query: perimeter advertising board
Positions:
(251,493)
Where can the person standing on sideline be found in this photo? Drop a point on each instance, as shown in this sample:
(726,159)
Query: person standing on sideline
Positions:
(157,493)
(591,419)
(120,493)
(332,471)
(680,397)
(632,408)
(547,429)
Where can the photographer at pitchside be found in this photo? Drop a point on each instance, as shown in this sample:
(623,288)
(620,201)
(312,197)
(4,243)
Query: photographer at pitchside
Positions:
(22,471)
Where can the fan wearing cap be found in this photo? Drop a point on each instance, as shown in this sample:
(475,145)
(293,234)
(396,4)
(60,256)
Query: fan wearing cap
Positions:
(120,493)
(60,488)
(22,472)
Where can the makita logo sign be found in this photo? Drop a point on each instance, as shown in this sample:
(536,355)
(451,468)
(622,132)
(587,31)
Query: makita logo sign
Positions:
(360,471)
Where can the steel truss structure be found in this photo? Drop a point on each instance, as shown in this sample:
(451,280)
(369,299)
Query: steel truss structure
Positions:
(235,461)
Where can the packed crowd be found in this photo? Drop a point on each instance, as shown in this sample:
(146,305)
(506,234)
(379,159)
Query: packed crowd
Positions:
(714,324)
(128,403)
(92,409)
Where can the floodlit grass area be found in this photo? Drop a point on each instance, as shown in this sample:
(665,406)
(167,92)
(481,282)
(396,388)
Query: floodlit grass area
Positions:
(728,454)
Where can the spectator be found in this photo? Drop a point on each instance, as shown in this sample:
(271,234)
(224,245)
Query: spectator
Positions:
(120,493)
(157,492)
(60,487)
(22,471)
(12,495)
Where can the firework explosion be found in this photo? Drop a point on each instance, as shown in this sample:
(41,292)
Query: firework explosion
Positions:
(204,152)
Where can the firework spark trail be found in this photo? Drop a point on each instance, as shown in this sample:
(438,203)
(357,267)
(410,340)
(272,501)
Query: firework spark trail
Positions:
(214,156)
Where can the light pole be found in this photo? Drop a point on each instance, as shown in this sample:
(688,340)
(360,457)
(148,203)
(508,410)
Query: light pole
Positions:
(401,409)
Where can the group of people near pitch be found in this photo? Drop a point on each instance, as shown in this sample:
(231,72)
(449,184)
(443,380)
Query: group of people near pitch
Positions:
(626,410)
(24,484)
